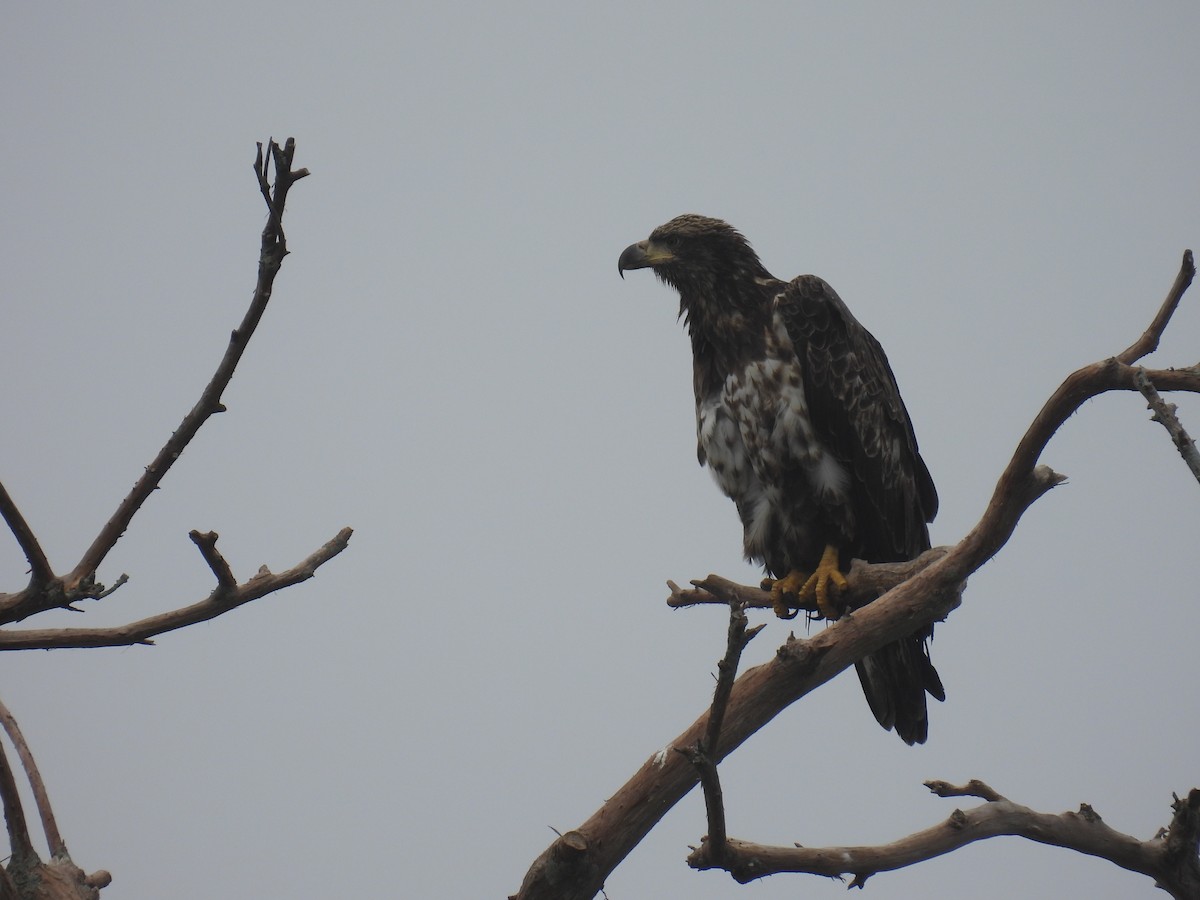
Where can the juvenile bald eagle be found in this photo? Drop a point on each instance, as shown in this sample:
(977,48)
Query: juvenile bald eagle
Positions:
(800,421)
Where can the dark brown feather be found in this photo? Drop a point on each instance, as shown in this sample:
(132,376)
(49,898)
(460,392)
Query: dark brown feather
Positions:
(801,422)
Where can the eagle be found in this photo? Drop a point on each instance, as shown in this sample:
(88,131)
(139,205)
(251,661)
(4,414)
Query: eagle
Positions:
(800,421)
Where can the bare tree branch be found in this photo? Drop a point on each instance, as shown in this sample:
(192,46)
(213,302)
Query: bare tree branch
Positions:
(800,666)
(40,571)
(758,695)
(1148,342)
(1164,413)
(220,601)
(274,249)
(53,838)
(866,582)
(27,877)
(1177,872)
(19,842)
(50,592)
(47,591)
(973,788)
(207,543)
(737,639)
(1182,854)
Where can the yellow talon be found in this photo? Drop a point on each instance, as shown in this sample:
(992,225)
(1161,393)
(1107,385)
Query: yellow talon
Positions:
(793,583)
(819,582)
(816,586)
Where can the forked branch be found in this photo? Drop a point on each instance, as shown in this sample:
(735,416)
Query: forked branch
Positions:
(27,876)
(47,591)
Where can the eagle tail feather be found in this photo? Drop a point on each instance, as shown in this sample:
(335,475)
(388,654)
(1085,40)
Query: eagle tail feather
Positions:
(895,681)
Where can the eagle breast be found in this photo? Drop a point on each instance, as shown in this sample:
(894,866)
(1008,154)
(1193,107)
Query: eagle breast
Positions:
(756,436)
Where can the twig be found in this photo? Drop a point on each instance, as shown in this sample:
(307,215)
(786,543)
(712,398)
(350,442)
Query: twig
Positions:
(276,197)
(121,579)
(1164,413)
(207,542)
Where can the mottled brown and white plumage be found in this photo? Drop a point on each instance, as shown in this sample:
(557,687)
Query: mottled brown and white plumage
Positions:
(799,418)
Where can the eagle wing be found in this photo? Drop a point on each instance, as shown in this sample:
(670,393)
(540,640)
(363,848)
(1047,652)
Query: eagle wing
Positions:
(857,413)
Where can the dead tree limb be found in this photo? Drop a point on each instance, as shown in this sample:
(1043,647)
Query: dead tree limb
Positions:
(598,845)
(47,591)
(19,842)
(1165,414)
(1147,343)
(866,583)
(223,599)
(1170,858)
(739,636)
(26,876)
(53,838)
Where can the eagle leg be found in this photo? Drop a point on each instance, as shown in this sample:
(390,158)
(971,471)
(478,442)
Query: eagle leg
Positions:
(817,586)
(827,574)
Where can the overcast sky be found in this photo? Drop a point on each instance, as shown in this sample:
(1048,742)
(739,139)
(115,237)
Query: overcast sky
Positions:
(451,365)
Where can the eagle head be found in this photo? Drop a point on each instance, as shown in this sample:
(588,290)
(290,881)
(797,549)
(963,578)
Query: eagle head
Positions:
(693,252)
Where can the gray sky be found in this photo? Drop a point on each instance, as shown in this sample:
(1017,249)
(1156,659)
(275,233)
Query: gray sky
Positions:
(451,366)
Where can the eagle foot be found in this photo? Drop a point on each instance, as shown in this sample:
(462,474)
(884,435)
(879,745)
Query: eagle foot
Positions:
(781,589)
(820,586)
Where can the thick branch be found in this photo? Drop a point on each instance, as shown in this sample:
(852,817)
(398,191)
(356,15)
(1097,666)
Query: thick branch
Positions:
(1083,831)
(220,601)
(758,695)
(866,582)
(801,666)
(1182,852)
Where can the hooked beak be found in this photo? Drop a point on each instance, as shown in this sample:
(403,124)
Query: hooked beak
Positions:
(642,255)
